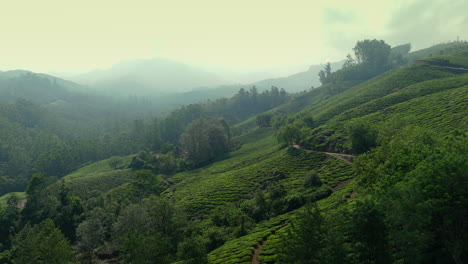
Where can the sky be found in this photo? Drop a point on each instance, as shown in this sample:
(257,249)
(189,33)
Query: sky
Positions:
(241,35)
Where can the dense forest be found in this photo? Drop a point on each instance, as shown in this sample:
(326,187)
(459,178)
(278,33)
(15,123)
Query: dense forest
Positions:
(370,167)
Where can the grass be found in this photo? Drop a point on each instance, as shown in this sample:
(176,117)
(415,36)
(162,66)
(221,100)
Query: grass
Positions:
(405,94)
(255,165)
(425,96)
(240,250)
(4,199)
(443,112)
(382,85)
(449,60)
(97,177)
(244,171)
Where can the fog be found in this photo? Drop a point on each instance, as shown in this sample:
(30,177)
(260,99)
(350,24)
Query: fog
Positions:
(238,41)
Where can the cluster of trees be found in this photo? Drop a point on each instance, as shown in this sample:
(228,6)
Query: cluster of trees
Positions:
(34,139)
(57,227)
(411,207)
(371,57)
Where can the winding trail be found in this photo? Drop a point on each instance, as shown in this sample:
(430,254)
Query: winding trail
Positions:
(344,157)
(348,158)
(256,255)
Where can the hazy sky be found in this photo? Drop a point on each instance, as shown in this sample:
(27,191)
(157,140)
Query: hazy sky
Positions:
(65,35)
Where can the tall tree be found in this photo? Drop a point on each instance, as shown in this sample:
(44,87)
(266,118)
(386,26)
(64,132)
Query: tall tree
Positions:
(304,240)
(205,139)
(325,74)
(372,52)
(369,233)
(43,243)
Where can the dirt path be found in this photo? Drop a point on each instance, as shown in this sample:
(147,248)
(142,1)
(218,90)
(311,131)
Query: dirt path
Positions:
(256,254)
(344,157)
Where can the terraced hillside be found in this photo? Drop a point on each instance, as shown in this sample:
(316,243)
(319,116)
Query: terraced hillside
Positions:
(254,203)
(259,163)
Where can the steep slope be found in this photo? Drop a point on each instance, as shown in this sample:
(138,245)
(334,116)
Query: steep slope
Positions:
(377,87)
(257,164)
(245,205)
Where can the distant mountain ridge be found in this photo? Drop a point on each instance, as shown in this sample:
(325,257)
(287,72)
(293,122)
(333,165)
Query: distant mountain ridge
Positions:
(38,87)
(149,76)
(163,76)
(299,81)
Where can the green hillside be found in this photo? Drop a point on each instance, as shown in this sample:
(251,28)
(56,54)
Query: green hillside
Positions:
(354,171)
(256,165)
(377,87)
(99,177)
(4,199)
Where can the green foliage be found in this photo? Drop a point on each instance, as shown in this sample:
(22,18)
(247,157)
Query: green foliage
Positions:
(325,75)
(369,233)
(304,239)
(192,251)
(382,85)
(399,55)
(205,139)
(312,179)
(419,175)
(448,48)
(449,60)
(36,184)
(90,236)
(406,205)
(146,183)
(363,137)
(147,233)
(159,163)
(42,243)
(114,162)
(264,120)
(289,134)
(373,53)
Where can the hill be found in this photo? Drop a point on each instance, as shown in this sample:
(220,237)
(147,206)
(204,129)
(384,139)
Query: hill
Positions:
(297,82)
(354,171)
(148,77)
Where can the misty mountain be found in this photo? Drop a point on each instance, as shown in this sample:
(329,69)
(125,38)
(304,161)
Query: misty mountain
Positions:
(148,76)
(37,87)
(297,82)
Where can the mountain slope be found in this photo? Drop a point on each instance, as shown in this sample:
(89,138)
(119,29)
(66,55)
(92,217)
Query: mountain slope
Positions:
(253,204)
(297,82)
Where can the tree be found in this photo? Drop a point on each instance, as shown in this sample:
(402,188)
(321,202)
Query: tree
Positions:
(264,120)
(90,234)
(289,134)
(205,139)
(325,74)
(349,61)
(399,55)
(304,239)
(369,233)
(373,53)
(428,209)
(192,251)
(363,137)
(43,243)
(145,233)
(146,183)
(114,162)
